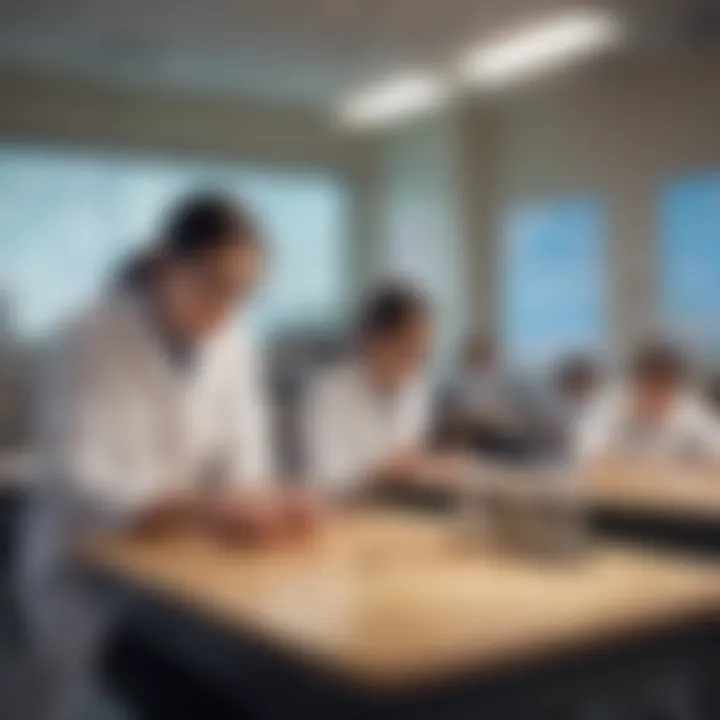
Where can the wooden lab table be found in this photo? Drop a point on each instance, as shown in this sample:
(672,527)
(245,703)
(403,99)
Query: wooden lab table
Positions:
(389,615)
(670,507)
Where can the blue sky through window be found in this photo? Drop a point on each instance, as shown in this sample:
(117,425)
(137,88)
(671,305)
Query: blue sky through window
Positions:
(553,280)
(690,261)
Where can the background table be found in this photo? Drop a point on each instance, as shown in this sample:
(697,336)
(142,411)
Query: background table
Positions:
(665,506)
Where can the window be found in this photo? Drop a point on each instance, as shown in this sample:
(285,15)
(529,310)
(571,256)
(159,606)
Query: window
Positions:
(66,219)
(553,281)
(690,261)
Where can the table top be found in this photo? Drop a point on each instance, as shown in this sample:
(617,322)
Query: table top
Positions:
(389,600)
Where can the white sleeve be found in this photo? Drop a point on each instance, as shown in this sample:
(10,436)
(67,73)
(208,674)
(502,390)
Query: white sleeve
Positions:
(87,444)
(329,457)
(419,421)
(251,436)
(596,433)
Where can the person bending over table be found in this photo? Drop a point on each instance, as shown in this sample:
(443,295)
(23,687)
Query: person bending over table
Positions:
(653,415)
(367,421)
(151,414)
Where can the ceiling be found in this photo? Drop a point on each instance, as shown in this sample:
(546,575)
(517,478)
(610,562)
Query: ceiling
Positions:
(289,51)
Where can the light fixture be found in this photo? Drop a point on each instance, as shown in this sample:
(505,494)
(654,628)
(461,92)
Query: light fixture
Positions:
(392,100)
(543,46)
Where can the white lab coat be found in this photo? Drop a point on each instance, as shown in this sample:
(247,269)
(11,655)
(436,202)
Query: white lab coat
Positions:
(117,428)
(349,427)
(689,432)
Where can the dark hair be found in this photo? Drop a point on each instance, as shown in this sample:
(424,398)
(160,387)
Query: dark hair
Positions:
(391,309)
(195,226)
(659,361)
(203,223)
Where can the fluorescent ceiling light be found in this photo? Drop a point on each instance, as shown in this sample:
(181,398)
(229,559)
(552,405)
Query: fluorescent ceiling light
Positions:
(392,100)
(546,45)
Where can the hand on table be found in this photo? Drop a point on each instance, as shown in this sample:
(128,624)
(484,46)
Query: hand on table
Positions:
(403,466)
(166,515)
(304,511)
(266,515)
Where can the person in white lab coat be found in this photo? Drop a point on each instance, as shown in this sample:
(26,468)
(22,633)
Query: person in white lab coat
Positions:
(150,413)
(654,415)
(367,420)
(575,386)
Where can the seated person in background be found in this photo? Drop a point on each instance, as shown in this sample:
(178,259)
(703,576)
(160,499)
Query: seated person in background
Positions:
(712,393)
(653,415)
(367,421)
(478,409)
(575,386)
